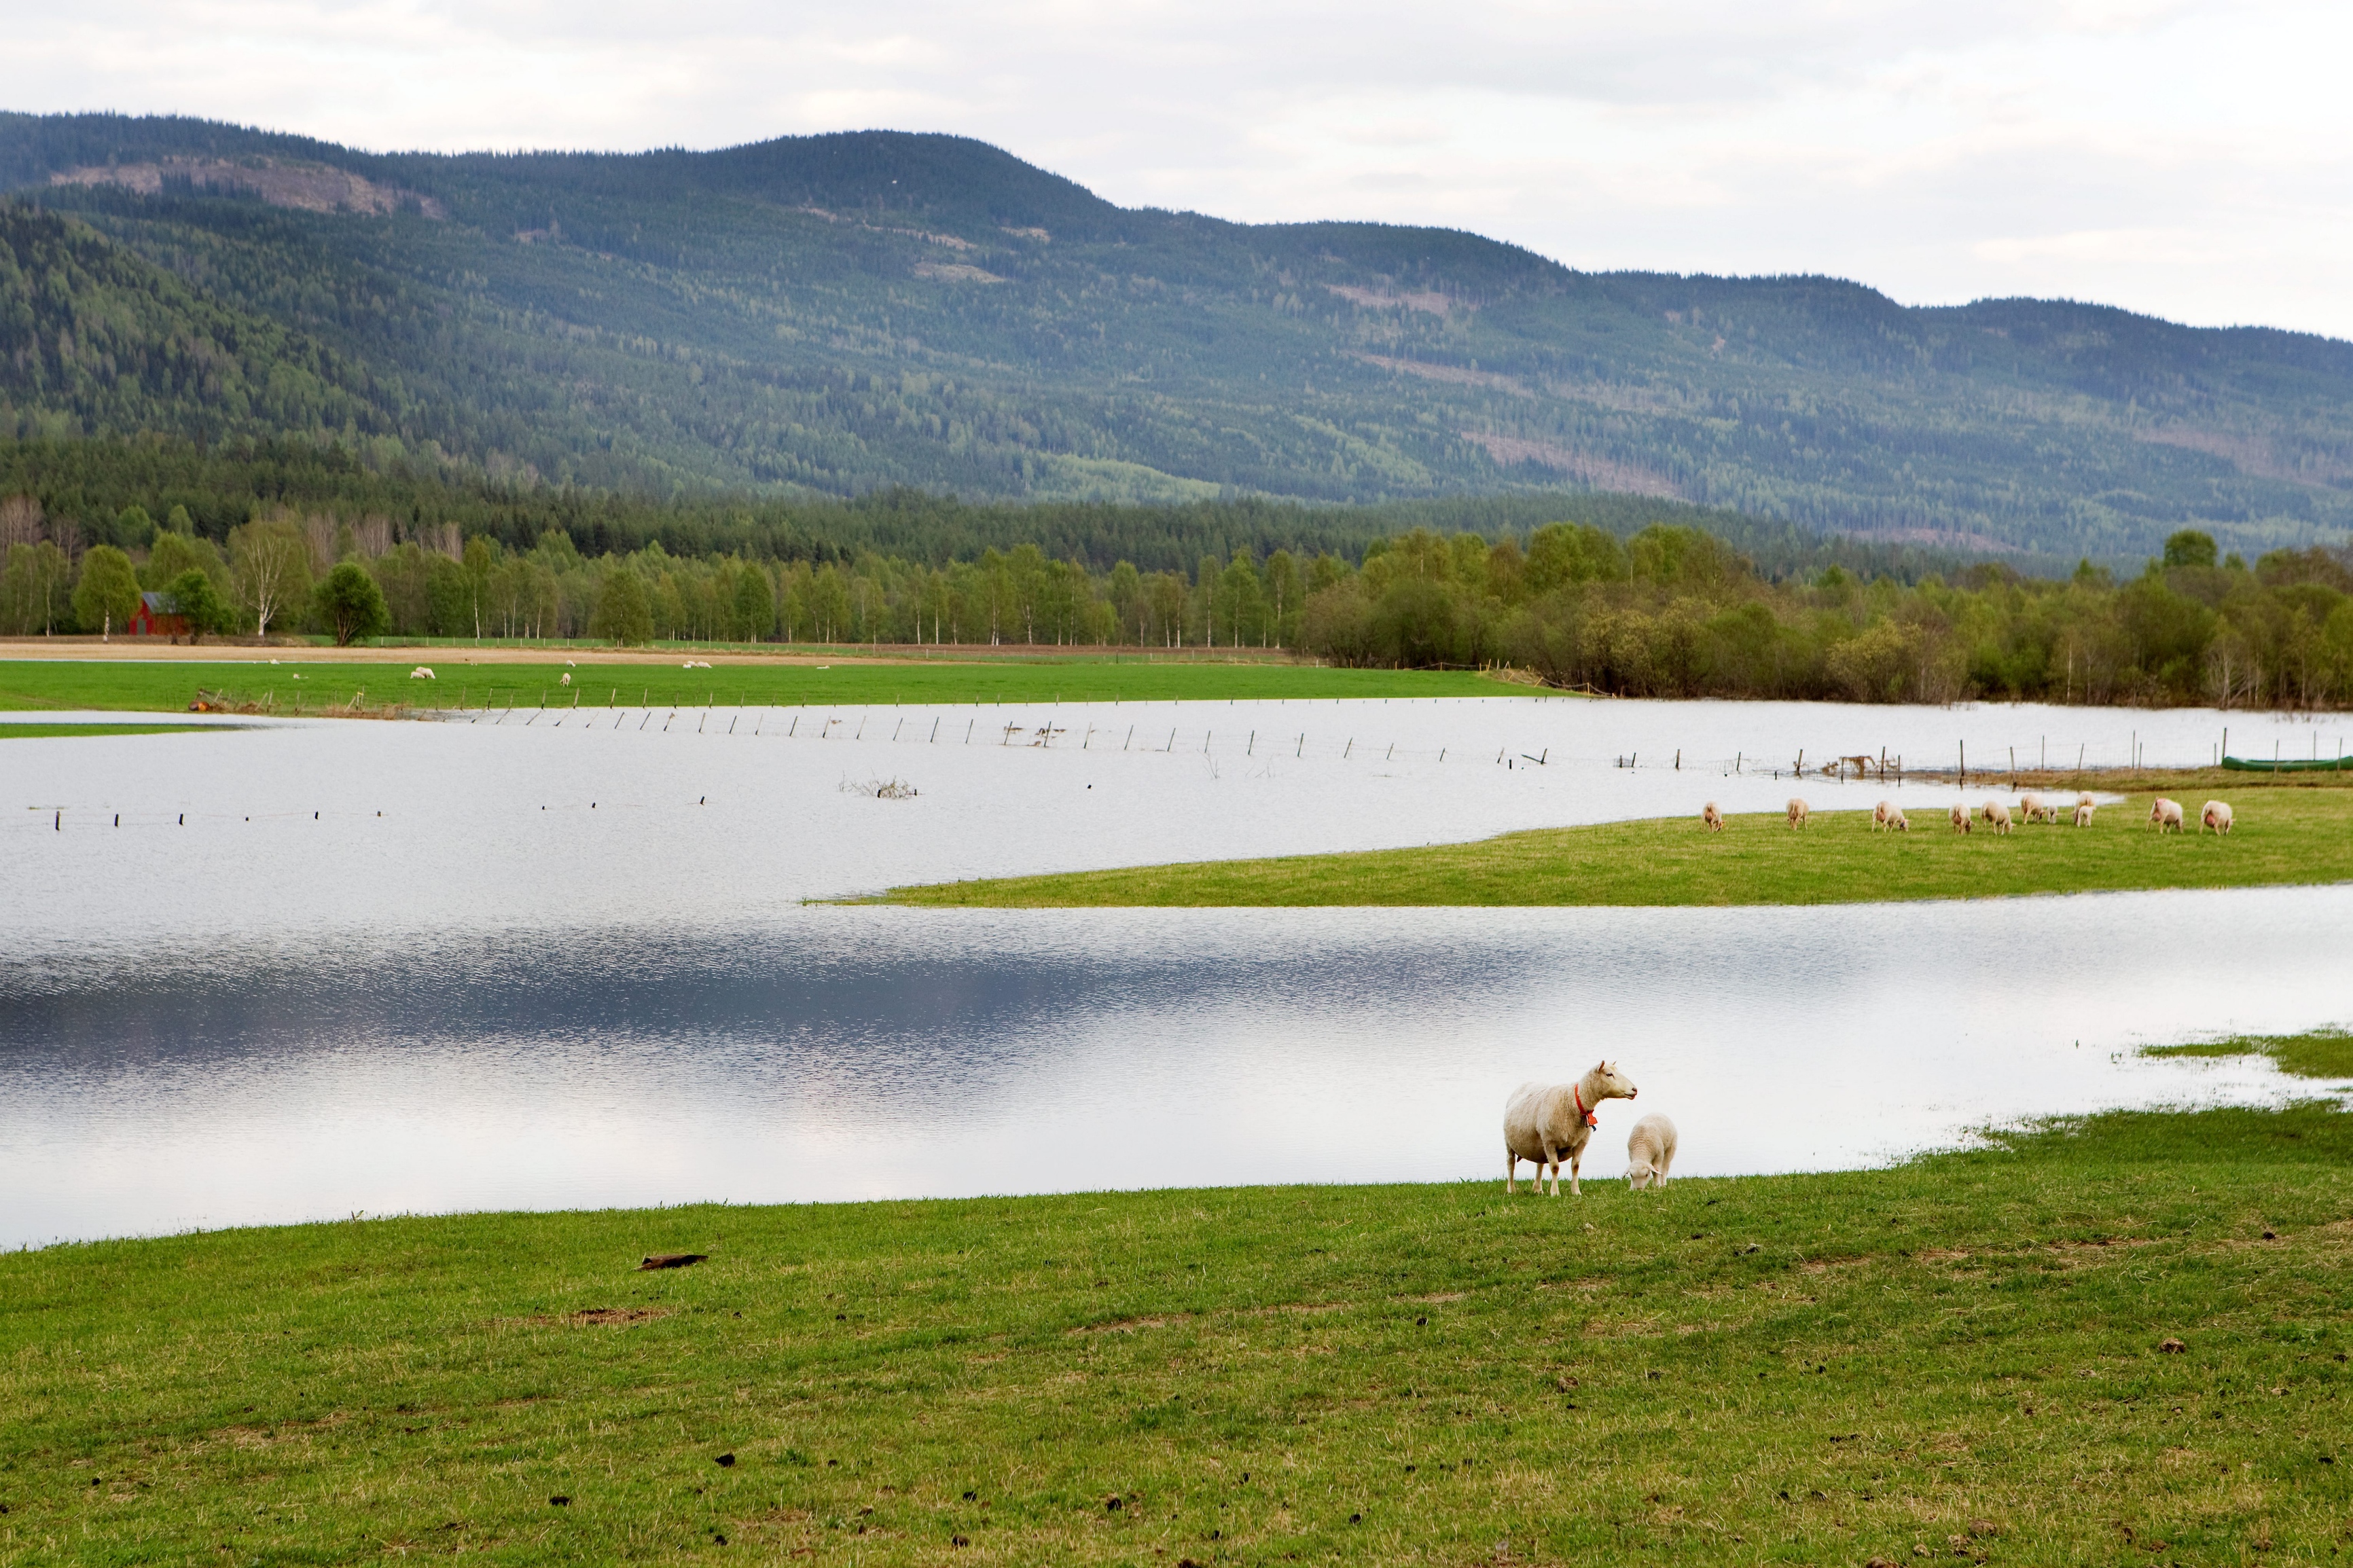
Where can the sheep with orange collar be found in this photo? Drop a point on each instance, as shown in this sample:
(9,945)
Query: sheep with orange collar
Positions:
(1549,1123)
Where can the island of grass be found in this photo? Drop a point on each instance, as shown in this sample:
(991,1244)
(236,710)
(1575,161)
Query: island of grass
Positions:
(2124,1335)
(34,730)
(2285,835)
(300,685)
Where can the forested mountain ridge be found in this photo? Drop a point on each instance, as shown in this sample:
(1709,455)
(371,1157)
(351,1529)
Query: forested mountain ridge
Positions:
(839,313)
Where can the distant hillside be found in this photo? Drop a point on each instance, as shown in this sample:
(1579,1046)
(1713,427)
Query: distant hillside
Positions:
(835,314)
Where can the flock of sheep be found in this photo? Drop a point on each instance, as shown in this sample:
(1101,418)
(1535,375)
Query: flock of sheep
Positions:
(1888,817)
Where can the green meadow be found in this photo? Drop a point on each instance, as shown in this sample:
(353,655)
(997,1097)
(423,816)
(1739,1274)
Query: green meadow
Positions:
(2285,835)
(171,685)
(2115,1339)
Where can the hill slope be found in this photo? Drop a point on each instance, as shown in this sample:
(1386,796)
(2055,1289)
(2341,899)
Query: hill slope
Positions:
(840,313)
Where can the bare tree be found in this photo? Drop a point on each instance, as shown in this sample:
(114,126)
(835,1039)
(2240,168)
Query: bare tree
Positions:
(319,531)
(372,535)
(20,521)
(270,562)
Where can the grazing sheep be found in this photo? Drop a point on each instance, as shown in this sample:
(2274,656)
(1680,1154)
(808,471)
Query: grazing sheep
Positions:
(1961,822)
(566,678)
(1997,816)
(2166,813)
(1799,812)
(2034,809)
(1897,821)
(1549,1123)
(422,673)
(1880,814)
(1711,819)
(2084,813)
(2216,814)
(2086,799)
(1650,1150)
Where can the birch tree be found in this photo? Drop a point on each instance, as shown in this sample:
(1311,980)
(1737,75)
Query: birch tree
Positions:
(270,566)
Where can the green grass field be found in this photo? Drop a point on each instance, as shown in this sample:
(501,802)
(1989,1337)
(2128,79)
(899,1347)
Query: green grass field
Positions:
(169,686)
(37,732)
(2323,1053)
(2284,835)
(1961,1357)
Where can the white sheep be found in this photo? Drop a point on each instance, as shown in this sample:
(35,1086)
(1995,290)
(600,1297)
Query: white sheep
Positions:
(2083,813)
(1961,820)
(1711,819)
(1649,1151)
(422,673)
(1880,814)
(1549,1123)
(1997,816)
(2216,814)
(2086,799)
(1897,821)
(565,678)
(1799,812)
(2034,809)
(2165,814)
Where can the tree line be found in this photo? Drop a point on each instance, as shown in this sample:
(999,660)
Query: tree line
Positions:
(1669,611)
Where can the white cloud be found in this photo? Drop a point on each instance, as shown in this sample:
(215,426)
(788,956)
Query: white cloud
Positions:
(2188,157)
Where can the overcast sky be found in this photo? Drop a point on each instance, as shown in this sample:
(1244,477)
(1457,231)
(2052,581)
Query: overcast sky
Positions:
(2186,157)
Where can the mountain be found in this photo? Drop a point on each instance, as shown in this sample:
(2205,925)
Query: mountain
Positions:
(835,314)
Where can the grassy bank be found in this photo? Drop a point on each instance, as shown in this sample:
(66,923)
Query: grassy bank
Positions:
(33,731)
(2323,1053)
(170,685)
(1962,1356)
(2284,835)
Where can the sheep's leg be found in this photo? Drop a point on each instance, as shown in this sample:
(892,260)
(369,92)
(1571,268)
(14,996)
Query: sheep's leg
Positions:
(1551,1158)
(1574,1161)
(1511,1171)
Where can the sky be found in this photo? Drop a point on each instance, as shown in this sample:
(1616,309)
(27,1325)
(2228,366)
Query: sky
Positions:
(2188,158)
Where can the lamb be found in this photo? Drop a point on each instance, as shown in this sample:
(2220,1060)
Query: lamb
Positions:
(1799,812)
(2166,813)
(2083,813)
(1997,816)
(2216,814)
(1897,821)
(1650,1150)
(1880,814)
(1711,819)
(1549,1123)
(1961,822)
(422,672)
(2034,809)
(566,677)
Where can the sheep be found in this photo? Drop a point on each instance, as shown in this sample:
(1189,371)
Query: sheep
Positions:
(1997,816)
(1880,814)
(2216,814)
(2034,809)
(1650,1150)
(1961,823)
(1549,1123)
(1799,812)
(1711,819)
(422,672)
(2166,813)
(2086,799)
(1897,821)
(565,678)
(2084,813)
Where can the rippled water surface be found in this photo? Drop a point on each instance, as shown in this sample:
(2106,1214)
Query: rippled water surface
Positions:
(569,967)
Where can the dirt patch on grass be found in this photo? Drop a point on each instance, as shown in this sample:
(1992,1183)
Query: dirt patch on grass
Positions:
(1130,1325)
(592,1316)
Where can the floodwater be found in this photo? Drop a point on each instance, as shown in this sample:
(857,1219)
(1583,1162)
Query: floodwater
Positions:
(561,960)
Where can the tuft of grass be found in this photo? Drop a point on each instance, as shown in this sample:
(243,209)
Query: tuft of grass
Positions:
(1966,1352)
(172,684)
(2284,835)
(2318,1053)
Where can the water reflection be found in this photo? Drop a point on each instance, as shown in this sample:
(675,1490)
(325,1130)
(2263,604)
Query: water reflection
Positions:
(847,1053)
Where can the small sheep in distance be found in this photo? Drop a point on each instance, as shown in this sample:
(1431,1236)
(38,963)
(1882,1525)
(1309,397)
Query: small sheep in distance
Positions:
(2034,809)
(1711,819)
(2165,814)
(1799,812)
(2216,814)
(422,672)
(1880,814)
(1897,821)
(1997,816)
(1961,822)
(1649,1151)
(2084,813)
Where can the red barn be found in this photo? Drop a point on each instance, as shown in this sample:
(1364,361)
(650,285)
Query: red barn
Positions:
(155,617)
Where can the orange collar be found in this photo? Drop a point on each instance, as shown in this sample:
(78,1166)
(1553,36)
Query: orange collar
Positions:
(1576,1093)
